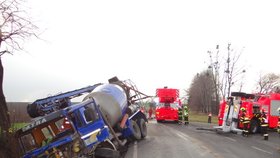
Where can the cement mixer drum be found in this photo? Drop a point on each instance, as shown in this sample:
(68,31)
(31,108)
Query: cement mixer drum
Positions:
(112,100)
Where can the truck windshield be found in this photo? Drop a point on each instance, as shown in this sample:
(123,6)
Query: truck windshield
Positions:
(256,109)
(28,142)
(46,133)
(88,115)
(172,105)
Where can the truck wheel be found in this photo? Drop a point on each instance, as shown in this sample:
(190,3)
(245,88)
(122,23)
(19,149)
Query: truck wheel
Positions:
(136,130)
(32,110)
(254,126)
(106,153)
(143,127)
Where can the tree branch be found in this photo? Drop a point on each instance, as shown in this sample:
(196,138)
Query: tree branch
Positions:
(16,26)
(4,51)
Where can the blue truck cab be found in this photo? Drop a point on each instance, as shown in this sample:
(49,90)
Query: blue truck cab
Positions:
(73,128)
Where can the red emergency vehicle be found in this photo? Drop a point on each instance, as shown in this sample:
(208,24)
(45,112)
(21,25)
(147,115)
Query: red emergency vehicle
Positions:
(169,102)
(265,103)
(255,105)
(221,112)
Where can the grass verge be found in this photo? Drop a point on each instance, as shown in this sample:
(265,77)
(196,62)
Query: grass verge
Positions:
(200,117)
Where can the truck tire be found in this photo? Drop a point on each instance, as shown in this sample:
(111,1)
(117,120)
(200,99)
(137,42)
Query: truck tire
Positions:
(106,153)
(143,127)
(254,126)
(136,130)
(32,110)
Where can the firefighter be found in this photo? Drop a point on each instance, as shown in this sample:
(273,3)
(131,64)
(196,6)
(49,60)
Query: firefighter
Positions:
(264,124)
(180,115)
(209,117)
(245,121)
(183,115)
(150,112)
(186,114)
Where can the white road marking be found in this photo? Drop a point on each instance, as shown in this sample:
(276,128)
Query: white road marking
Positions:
(231,139)
(261,150)
(205,150)
(135,150)
(183,137)
(189,139)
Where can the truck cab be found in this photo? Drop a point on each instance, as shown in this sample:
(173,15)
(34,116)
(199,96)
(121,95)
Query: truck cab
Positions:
(64,133)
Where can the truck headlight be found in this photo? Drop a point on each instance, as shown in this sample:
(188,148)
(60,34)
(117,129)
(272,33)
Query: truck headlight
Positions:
(91,137)
(76,146)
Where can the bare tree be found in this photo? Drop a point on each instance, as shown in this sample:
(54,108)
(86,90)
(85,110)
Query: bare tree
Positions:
(194,94)
(213,69)
(225,70)
(15,27)
(267,83)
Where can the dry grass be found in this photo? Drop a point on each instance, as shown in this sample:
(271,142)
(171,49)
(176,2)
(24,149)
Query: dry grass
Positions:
(200,117)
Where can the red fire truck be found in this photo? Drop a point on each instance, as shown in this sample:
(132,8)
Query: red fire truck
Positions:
(244,99)
(267,104)
(255,105)
(169,102)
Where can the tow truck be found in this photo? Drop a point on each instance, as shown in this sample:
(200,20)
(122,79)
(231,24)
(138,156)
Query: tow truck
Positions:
(254,105)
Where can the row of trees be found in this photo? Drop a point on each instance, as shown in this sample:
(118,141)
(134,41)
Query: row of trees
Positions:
(200,94)
(214,84)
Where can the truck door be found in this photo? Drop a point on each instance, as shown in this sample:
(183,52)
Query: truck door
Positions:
(92,127)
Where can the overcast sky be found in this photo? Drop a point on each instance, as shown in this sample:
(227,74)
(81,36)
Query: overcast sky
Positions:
(155,43)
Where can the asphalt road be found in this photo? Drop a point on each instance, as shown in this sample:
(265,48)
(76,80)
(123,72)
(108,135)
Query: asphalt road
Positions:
(169,140)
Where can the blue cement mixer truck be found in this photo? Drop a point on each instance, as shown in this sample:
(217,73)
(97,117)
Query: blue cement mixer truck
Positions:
(101,125)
